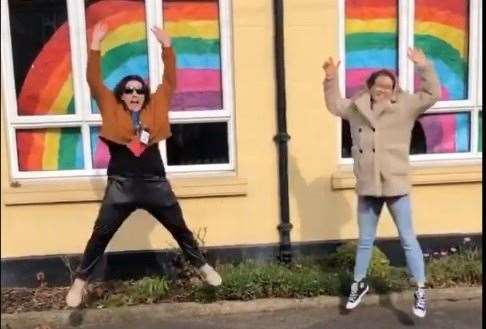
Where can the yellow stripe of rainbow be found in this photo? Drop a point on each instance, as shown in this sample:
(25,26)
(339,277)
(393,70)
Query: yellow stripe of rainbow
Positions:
(204,29)
(122,35)
(453,36)
(51,149)
(374,25)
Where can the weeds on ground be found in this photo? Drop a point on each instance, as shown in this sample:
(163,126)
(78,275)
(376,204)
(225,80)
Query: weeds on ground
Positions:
(332,275)
(459,266)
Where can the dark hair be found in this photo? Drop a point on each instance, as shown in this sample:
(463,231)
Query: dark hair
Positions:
(120,87)
(371,80)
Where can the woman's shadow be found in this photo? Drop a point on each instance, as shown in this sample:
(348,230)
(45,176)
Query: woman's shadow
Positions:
(404,318)
(322,211)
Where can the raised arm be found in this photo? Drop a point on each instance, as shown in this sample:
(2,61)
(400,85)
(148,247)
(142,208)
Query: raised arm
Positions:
(429,92)
(93,74)
(335,103)
(166,89)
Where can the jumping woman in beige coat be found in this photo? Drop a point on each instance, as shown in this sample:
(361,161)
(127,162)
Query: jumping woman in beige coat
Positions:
(381,117)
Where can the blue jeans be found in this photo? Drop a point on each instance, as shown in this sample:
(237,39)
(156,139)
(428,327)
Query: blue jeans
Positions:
(369,209)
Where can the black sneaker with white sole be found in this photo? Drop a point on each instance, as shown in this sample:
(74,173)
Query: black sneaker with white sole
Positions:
(358,290)
(419,305)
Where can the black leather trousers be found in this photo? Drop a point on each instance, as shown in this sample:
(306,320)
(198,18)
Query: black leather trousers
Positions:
(124,195)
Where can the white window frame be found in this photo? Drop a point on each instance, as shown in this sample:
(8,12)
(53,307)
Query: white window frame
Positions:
(473,105)
(82,99)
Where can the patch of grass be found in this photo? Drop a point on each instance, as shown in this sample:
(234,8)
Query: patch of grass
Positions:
(331,275)
(150,288)
(465,267)
(343,259)
(382,277)
(250,280)
(145,291)
(396,280)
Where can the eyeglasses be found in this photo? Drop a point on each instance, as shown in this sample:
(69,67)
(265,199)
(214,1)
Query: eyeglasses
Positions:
(139,91)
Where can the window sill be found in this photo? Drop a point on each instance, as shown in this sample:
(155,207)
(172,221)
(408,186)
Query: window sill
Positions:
(93,189)
(344,178)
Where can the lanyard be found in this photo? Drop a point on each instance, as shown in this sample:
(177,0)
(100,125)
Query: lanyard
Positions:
(136,121)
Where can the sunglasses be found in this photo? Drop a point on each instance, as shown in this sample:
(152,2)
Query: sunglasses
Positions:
(139,91)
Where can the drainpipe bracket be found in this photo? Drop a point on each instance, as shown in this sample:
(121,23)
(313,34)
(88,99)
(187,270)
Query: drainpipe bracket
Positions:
(281,138)
(285,227)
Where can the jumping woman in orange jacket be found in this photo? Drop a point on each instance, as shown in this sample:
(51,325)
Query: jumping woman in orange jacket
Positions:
(134,121)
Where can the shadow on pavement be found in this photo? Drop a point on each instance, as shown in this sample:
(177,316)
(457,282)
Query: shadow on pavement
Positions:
(403,318)
(76,317)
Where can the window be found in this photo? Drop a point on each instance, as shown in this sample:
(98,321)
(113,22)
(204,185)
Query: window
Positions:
(376,34)
(53,123)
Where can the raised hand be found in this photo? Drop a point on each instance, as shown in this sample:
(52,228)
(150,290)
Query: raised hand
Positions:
(417,56)
(99,32)
(162,36)
(330,68)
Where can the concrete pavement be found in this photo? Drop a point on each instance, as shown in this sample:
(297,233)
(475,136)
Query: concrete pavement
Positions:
(449,308)
(441,315)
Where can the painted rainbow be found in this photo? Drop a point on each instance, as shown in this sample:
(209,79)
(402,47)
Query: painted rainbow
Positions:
(48,87)
(440,30)
(371,40)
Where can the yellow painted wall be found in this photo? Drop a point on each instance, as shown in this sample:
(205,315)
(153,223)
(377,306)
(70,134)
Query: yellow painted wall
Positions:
(317,211)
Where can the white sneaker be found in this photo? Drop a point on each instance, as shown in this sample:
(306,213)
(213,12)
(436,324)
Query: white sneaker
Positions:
(76,293)
(210,275)
(419,307)
(358,290)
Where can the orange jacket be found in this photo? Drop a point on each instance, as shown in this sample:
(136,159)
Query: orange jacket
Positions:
(117,124)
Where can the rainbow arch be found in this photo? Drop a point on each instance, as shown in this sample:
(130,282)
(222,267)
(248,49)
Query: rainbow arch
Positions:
(48,87)
(440,30)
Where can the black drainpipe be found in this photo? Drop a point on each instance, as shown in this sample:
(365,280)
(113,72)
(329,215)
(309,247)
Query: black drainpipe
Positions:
(282,137)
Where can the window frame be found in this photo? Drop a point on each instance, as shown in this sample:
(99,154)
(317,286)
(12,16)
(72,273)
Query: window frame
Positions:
(473,105)
(85,119)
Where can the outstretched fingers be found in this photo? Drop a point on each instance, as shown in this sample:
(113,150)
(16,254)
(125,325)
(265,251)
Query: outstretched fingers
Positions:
(100,29)
(330,66)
